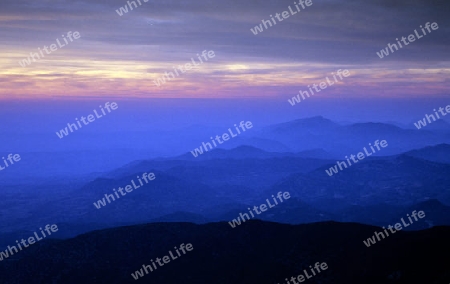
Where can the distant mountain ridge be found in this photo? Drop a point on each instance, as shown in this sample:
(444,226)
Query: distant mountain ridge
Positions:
(213,186)
(317,132)
(247,151)
(393,180)
(180,185)
(438,153)
(293,136)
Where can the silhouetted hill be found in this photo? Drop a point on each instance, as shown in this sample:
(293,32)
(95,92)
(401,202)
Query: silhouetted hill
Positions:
(265,144)
(255,252)
(312,125)
(293,211)
(438,125)
(164,195)
(240,152)
(315,153)
(437,214)
(258,172)
(438,153)
(246,152)
(393,180)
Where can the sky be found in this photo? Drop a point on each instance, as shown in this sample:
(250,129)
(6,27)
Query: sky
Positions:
(120,56)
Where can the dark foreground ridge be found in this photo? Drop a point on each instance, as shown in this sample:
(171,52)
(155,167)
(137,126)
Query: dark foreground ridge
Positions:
(256,252)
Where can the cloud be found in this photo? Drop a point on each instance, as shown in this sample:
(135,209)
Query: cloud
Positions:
(324,36)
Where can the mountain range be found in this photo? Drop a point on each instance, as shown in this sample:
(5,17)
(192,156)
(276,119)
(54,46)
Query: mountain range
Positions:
(255,252)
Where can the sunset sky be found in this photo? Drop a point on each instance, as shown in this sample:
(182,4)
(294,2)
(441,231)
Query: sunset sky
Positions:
(120,56)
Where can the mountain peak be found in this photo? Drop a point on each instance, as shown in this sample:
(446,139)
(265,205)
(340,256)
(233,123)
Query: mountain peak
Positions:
(315,123)
(313,119)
